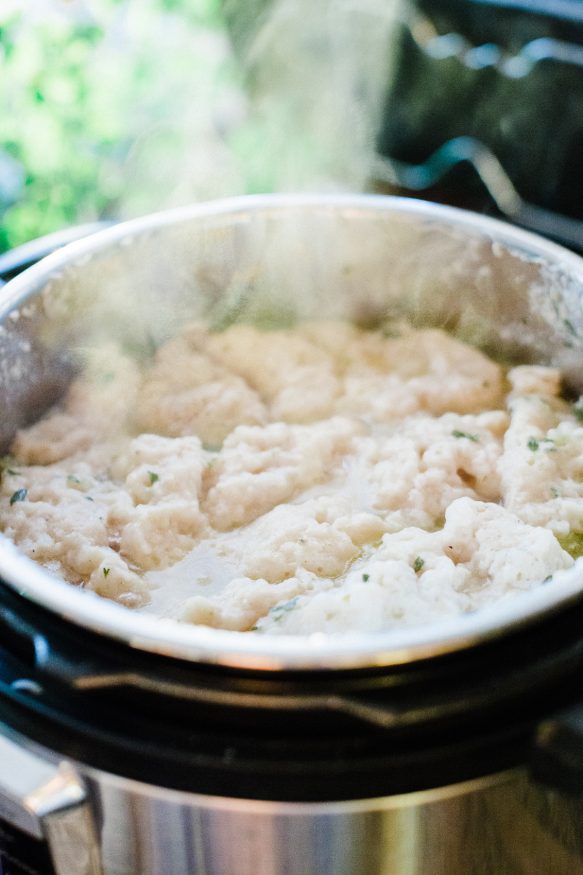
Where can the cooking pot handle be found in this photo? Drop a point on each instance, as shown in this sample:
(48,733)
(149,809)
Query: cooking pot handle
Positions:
(16,260)
(46,819)
(557,758)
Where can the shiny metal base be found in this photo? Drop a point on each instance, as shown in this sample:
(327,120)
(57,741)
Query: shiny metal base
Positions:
(503,825)
(96,823)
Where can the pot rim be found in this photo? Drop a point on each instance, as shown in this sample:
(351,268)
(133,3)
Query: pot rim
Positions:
(276,653)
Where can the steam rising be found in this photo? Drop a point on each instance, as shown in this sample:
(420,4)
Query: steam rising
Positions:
(300,112)
(290,100)
(316,73)
(148,104)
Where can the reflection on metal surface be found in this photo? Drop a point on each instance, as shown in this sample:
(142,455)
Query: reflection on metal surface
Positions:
(515,65)
(504,84)
(17,260)
(504,827)
(48,802)
(419,177)
(502,824)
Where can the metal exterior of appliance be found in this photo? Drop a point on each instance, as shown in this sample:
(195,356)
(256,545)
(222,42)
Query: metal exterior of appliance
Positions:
(47,802)
(500,825)
(503,825)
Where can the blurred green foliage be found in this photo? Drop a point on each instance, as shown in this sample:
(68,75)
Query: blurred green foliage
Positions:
(116,108)
(89,98)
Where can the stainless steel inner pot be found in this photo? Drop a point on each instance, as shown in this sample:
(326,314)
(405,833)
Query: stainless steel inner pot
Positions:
(272,260)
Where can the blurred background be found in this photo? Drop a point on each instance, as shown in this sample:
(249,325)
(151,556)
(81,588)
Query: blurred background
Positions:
(115,108)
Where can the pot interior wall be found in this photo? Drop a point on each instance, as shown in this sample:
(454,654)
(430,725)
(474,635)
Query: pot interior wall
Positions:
(273,266)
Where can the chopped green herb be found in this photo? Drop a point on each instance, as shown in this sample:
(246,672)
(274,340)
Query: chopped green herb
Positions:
(548,578)
(578,409)
(88,498)
(550,444)
(12,471)
(71,478)
(556,493)
(279,610)
(106,571)
(19,495)
(418,564)
(365,577)
(463,434)
(569,326)
(153,477)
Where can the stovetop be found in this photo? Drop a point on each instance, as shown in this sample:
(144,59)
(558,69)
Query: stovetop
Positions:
(485,110)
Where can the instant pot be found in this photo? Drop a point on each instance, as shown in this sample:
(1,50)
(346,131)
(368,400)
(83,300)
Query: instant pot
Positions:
(131,745)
